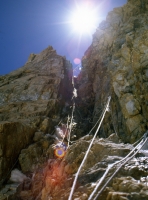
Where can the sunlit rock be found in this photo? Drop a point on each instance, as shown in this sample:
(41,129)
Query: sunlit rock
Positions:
(36,101)
(117,66)
(30,97)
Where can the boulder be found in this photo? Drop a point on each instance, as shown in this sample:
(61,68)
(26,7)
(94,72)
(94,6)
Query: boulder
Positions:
(14,136)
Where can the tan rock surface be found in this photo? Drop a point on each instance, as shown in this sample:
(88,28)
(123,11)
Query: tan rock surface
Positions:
(31,99)
(116,65)
(34,98)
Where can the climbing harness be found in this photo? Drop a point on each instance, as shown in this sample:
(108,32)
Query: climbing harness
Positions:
(86,154)
(122,163)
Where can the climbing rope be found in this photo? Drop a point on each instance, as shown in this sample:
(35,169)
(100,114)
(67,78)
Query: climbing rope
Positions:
(84,159)
(126,159)
(70,126)
(96,122)
(61,148)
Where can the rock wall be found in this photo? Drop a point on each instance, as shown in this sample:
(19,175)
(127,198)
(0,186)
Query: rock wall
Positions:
(54,179)
(32,99)
(116,64)
(36,97)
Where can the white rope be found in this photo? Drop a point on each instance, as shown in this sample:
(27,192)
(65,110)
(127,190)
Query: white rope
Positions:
(100,181)
(70,126)
(84,159)
(117,171)
(109,167)
(138,147)
(95,124)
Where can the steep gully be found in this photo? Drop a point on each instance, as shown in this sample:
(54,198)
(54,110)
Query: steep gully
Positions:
(41,186)
(35,98)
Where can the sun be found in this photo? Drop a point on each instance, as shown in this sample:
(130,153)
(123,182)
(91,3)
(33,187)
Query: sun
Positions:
(84,19)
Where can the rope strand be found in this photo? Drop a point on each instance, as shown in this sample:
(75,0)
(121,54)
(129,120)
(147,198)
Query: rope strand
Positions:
(84,159)
(126,159)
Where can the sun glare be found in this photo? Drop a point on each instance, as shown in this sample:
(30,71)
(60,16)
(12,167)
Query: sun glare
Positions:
(84,19)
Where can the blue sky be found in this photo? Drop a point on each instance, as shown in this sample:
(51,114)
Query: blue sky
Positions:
(30,26)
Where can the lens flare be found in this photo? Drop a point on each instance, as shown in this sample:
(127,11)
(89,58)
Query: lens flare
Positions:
(77,61)
(84,19)
(59,152)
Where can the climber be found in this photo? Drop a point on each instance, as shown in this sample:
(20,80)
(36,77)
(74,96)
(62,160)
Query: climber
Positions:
(61,133)
(60,146)
(60,140)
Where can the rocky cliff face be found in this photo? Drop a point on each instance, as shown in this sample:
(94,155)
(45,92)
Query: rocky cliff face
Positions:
(116,64)
(38,96)
(31,100)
